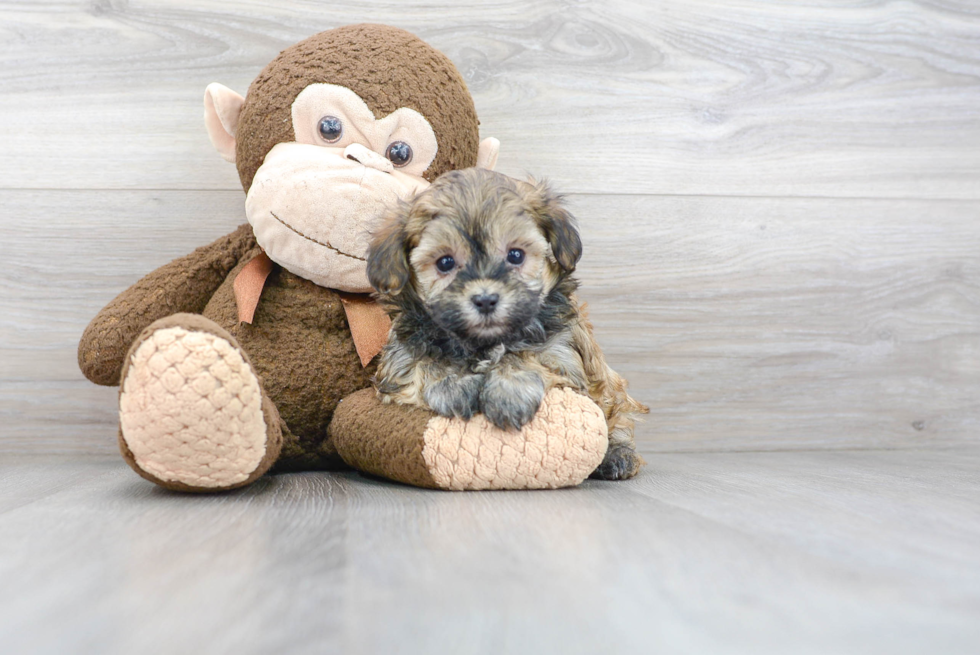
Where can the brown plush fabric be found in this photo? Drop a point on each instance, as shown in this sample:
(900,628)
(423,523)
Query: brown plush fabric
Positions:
(386,66)
(184,285)
(299,342)
(274,434)
(384,440)
(301,348)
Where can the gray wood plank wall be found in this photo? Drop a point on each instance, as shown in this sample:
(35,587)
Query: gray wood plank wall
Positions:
(780,201)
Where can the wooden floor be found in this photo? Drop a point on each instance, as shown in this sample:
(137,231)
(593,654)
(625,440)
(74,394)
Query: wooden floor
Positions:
(781,552)
(780,204)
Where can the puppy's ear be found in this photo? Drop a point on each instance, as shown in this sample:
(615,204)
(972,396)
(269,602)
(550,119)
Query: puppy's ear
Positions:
(387,262)
(556,223)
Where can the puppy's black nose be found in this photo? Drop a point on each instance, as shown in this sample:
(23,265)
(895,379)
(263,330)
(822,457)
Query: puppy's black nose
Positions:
(485,302)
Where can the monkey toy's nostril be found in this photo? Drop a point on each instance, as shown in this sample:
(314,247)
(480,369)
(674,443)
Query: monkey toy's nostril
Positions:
(369,158)
(485,302)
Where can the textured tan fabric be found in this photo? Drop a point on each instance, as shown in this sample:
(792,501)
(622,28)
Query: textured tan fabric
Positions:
(192,414)
(560,447)
(564,443)
(191,410)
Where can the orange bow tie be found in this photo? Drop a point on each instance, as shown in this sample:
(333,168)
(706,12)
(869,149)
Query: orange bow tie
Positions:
(369,324)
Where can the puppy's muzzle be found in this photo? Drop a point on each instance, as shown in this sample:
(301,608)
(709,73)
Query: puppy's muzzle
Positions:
(485,303)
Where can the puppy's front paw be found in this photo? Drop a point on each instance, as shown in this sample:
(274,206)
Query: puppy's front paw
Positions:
(455,395)
(620,463)
(510,402)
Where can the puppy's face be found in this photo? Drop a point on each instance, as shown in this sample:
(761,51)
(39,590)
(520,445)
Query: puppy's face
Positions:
(478,250)
(482,270)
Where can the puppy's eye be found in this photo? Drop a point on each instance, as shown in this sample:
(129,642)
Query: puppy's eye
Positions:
(445,264)
(399,153)
(331,129)
(515,256)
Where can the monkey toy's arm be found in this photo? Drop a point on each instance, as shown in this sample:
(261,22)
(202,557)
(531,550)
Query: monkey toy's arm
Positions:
(184,285)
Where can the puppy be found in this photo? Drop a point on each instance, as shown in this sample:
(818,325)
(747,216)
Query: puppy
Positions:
(475,272)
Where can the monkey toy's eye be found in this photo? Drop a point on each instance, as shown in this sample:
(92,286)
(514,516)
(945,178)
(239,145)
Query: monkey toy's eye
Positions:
(445,264)
(515,256)
(331,129)
(400,153)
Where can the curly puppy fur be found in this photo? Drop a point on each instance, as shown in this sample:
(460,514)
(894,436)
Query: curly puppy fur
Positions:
(476,274)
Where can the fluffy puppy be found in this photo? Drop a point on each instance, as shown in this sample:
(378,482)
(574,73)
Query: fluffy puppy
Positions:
(476,274)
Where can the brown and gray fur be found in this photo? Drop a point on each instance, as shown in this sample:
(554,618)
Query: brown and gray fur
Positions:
(490,335)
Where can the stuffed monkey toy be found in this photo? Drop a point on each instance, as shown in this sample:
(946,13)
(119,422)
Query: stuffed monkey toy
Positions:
(256,352)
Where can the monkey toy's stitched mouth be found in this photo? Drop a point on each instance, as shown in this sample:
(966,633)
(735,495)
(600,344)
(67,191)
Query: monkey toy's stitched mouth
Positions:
(319,243)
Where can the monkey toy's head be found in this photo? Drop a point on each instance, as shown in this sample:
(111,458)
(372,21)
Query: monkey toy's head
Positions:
(335,130)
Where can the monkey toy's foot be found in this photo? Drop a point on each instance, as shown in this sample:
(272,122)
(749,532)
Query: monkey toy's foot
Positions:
(192,414)
(562,444)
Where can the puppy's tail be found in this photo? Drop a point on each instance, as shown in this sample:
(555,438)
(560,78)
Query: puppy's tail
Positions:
(607,387)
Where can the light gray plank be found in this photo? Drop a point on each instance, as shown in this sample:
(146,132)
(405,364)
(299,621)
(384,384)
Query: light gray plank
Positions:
(858,99)
(743,323)
(862,552)
(772,323)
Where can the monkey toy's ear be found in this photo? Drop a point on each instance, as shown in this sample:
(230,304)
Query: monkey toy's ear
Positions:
(486,156)
(557,224)
(222,108)
(387,260)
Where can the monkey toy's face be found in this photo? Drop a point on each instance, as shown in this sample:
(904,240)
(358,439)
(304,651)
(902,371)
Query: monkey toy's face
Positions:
(313,202)
(326,142)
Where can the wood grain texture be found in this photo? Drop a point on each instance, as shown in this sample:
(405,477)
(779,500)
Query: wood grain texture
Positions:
(790,323)
(744,323)
(864,552)
(857,99)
